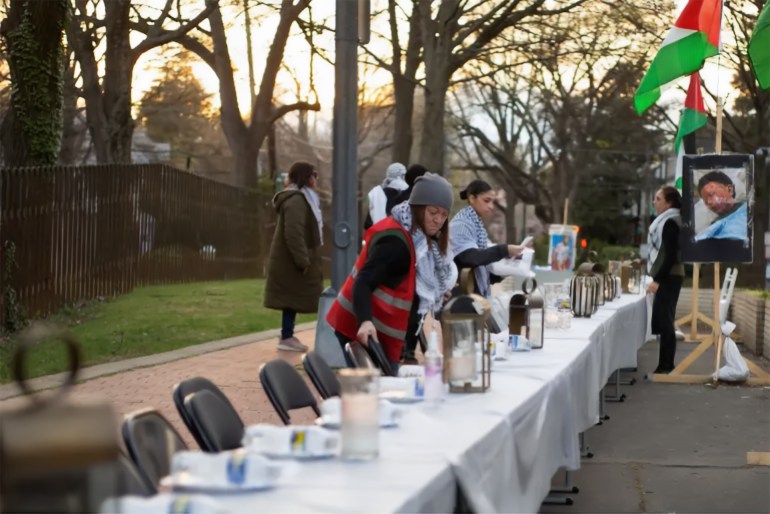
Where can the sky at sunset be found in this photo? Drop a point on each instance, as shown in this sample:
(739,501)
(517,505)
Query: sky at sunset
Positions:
(297,58)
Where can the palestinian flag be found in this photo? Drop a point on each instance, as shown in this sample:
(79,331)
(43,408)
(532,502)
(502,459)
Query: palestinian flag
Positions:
(693,117)
(693,38)
(759,48)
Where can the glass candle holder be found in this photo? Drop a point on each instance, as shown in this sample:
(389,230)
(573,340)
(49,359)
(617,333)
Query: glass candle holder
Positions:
(360,423)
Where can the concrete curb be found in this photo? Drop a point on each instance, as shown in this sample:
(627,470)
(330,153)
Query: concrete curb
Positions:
(110,368)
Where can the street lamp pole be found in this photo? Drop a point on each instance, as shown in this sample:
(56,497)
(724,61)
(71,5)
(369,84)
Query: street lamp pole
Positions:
(344,142)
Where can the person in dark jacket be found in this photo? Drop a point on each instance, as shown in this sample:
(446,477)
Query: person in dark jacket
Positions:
(470,241)
(667,271)
(294,274)
(414,171)
(404,271)
(384,197)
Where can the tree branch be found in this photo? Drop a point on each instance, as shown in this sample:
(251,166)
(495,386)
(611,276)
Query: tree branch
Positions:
(166,36)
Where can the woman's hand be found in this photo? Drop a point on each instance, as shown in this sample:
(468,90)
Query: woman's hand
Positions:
(515,250)
(652,288)
(365,331)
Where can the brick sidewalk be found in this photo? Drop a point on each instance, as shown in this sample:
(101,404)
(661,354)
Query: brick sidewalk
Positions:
(235,370)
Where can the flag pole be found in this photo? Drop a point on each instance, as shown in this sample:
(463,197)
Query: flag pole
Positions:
(717,329)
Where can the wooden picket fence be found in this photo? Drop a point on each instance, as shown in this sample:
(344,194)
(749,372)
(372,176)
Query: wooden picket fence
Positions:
(98,231)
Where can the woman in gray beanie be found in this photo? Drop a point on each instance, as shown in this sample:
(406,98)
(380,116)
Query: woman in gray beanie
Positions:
(404,271)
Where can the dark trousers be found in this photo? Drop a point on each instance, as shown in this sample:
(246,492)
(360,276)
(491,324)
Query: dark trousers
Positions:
(411,339)
(288,317)
(663,317)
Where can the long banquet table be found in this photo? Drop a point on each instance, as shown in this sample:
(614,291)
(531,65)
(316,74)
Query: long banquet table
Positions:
(500,448)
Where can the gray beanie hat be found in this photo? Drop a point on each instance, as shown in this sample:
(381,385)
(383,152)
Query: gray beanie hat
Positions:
(432,189)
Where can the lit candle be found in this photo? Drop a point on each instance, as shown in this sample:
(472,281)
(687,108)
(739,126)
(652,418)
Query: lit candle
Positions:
(462,368)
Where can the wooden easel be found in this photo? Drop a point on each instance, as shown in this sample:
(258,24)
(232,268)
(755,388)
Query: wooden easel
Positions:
(695,315)
(759,377)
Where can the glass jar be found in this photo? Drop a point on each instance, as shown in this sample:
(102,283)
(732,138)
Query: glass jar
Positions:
(360,423)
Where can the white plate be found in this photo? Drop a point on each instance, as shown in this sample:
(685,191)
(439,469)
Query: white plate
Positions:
(299,456)
(399,397)
(334,424)
(185,482)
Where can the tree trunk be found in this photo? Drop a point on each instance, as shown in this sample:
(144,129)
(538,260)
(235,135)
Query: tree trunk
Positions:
(437,53)
(72,135)
(404,86)
(402,122)
(81,43)
(118,71)
(432,137)
(32,33)
(245,155)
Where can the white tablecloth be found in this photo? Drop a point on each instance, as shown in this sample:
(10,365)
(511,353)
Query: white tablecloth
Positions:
(501,447)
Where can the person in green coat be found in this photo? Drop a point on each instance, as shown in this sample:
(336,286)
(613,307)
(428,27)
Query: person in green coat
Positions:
(294,275)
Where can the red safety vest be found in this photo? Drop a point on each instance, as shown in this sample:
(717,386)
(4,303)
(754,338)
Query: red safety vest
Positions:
(390,307)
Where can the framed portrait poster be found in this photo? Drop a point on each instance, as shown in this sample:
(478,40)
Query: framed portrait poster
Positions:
(562,246)
(717,207)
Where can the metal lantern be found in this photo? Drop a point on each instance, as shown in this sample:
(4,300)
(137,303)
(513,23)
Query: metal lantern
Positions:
(626,272)
(631,276)
(56,455)
(467,359)
(583,293)
(609,287)
(595,270)
(636,286)
(527,312)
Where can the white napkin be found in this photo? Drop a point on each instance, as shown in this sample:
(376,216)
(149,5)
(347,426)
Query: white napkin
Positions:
(405,387)
(500,341)
(235,469)
(164,502)
(514,267)
(291,441)
(411,370)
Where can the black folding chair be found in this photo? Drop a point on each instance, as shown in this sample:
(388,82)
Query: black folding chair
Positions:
(215,423)
(358,355)
(286,389)
(377,353)
(151,442)
(322,376)
(131,481)
(372,357)
(193,385)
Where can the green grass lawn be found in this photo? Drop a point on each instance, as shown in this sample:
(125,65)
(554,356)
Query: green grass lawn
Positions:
(155,319)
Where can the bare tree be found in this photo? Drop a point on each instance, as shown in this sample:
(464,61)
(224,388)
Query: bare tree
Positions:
(246,138)
(547,103)
(454,33)
(404,78)
(108,95)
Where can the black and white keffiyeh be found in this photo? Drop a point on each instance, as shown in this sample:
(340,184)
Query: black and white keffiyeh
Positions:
(436,273)
(468,232)
(655,235)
